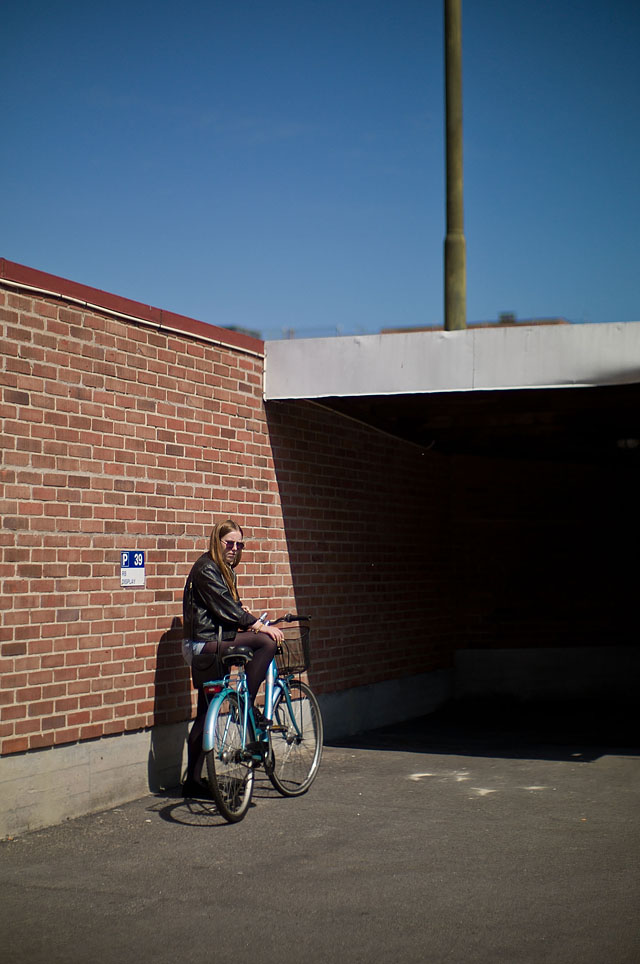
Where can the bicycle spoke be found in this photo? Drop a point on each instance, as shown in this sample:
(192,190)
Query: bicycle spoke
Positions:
(296,741)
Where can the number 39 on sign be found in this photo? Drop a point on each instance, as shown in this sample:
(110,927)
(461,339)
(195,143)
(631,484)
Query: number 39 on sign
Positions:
(132,568)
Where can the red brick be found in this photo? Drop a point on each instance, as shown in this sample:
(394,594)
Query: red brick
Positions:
(17,745)
(32,725)
(13,712)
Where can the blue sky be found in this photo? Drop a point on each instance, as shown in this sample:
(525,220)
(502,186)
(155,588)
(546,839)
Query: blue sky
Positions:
(280,164)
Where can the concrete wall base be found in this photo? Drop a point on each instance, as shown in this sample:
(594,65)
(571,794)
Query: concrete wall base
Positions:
(368,707)
(46,787)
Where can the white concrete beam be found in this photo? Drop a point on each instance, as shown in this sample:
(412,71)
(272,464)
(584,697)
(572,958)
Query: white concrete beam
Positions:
(537,356)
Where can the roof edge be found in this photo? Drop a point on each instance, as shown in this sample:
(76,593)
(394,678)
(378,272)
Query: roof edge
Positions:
(57,287)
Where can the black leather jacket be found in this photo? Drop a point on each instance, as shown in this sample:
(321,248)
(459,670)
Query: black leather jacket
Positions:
(207,605)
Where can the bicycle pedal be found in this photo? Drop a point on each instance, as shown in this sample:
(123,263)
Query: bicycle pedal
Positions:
(277,728)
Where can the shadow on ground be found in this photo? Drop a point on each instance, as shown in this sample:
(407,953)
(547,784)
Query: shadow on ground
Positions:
(545,731)
(172,807)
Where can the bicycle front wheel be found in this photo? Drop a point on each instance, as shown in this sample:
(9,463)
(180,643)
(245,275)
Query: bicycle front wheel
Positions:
(295,741)
(230,771)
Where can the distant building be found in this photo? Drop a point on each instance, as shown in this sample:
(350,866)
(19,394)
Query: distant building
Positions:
(505,319)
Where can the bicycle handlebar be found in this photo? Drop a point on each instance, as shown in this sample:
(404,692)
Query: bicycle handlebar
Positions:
(289,618)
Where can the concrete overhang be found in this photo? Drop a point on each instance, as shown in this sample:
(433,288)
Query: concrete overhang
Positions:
(482,359)
(487,391)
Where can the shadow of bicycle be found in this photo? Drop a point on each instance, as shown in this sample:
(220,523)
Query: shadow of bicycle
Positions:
(172,807)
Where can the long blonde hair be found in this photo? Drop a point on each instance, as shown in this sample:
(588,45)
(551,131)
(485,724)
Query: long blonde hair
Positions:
(220,530)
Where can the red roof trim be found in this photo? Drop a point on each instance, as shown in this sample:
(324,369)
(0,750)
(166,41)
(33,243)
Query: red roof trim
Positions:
(21,274)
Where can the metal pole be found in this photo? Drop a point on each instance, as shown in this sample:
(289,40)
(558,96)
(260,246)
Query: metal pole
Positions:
(455,266)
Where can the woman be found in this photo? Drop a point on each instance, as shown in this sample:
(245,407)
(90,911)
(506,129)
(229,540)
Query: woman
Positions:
(214,619)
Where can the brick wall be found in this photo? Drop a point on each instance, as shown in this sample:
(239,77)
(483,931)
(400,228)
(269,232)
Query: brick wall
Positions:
(116,436)
(405,556)
(367,522)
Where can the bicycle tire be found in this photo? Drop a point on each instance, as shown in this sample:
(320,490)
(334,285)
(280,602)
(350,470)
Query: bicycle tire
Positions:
(230,773)
(295,747)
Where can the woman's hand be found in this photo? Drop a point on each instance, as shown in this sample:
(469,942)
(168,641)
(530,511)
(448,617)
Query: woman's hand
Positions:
(273,631)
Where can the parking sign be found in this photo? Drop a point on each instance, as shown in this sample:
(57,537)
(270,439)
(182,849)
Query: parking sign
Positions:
(132,568)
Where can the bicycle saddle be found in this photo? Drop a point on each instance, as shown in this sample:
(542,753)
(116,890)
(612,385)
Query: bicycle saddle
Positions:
(237,656)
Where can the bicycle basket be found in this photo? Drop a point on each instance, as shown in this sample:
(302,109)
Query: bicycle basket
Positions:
(292,655)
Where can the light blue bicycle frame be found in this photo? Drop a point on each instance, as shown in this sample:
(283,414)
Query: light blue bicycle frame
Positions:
(273,687)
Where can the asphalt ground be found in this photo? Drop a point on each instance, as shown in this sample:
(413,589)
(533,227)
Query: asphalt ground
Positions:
(458,838)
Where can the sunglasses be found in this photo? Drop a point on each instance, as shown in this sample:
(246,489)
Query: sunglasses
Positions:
(230,544)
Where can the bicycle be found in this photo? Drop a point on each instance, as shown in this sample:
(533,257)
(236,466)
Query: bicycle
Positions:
(289,749)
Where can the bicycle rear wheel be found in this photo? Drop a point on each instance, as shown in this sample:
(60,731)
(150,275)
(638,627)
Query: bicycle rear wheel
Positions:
(230,772)
(295,741)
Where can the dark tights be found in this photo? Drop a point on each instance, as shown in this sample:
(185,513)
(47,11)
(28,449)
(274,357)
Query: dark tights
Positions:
(264,649)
